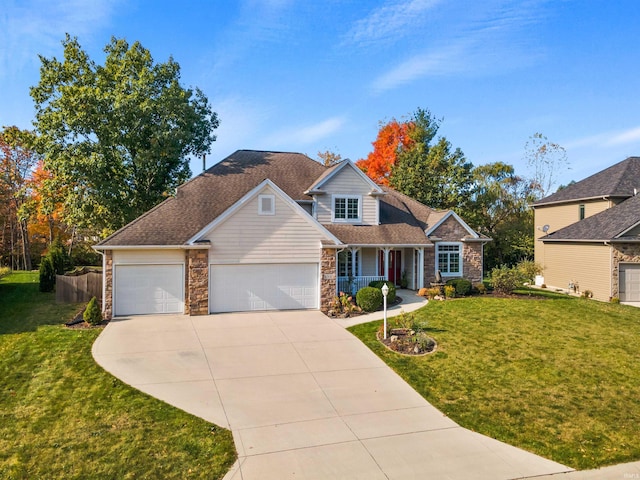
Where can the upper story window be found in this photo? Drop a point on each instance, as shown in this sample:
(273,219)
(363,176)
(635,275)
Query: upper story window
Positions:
(581,211)
(346,208)
(449,259)
(266,204)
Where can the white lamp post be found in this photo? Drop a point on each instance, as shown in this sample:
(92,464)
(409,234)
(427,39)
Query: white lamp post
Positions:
(385,292)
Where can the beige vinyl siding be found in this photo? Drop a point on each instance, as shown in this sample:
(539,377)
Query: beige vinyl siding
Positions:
(347,182)
(588,265)
(560,216)
(143,256)
(246,237)
(369,262)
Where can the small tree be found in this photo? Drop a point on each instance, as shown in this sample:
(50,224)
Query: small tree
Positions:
(58,255)
(505,280)
(92,314)
(47,275)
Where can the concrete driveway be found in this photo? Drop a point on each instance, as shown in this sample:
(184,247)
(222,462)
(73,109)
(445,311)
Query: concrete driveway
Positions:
(303,397)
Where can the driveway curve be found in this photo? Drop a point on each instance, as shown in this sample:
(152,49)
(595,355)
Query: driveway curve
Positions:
(303,397)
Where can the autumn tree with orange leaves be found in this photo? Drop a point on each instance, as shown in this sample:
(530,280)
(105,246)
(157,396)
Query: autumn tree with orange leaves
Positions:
(408,157)
(393,138)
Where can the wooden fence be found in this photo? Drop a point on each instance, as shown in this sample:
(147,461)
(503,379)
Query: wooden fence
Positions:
(78,289)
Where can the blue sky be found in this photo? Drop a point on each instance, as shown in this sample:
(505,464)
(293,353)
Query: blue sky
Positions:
(308,76)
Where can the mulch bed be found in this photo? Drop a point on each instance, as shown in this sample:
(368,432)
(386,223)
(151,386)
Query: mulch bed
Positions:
(78,323)
(408,342)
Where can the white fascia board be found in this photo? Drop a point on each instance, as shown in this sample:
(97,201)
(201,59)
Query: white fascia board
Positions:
(372,184)
(453,214)
(388,245)
(151,247)
(621,234)
(228,213)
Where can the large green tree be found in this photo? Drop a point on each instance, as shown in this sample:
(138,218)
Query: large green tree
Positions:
(117,137)
(428,169)
(499,208)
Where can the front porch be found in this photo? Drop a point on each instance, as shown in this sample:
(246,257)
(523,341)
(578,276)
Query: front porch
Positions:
(358,266)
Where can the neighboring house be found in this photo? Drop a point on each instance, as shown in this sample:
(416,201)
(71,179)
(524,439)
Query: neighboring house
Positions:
(268,230)
(588,234)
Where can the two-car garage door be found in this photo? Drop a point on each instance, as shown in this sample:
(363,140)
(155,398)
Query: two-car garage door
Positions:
(241,288)
(145,289)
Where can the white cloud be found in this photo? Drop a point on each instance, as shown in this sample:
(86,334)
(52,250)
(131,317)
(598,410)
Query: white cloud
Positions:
(435,63)
(482,38)
(305,135)
(631,135)
(32,27)
(390,21)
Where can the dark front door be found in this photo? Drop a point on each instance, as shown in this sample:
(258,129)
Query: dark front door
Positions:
(394,269)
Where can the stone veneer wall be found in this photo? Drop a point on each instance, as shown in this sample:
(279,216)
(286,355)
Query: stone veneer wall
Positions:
(197,282)
(623,252)
(472,257)
(327,278)
(108,285)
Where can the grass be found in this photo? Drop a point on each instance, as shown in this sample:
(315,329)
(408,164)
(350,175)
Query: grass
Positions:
(557,376)
(62,416)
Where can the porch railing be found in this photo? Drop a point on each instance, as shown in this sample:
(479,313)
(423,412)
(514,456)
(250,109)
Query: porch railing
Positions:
(353,284)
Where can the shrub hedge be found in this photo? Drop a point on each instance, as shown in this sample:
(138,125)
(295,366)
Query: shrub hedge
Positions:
(391,296)
(369,299)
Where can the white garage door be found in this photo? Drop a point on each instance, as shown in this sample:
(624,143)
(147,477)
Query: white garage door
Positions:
(140,289)
(241,288)
(629,283)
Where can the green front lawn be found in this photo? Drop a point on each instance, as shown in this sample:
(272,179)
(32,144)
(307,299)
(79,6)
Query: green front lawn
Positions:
(559,377)
(62,416)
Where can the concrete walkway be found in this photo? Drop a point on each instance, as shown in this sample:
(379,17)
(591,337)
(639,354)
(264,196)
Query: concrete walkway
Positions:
(303,398)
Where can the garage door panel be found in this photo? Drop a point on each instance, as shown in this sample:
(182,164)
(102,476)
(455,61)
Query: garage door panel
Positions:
(236,288)
(630,283)
(148,289)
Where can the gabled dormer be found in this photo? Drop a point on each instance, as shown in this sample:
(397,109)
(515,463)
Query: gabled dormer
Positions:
(345,195)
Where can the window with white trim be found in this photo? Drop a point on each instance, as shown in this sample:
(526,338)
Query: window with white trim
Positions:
(346,208)
(449,259)
(266,204)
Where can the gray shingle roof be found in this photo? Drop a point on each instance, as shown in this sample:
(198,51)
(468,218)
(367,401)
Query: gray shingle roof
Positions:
(617,181)
(606,225)
(202,199)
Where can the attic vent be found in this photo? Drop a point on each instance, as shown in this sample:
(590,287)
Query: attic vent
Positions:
(266,205)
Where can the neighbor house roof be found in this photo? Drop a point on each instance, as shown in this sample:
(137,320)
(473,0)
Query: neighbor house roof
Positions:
(200,201)
(617,181)
(608,225)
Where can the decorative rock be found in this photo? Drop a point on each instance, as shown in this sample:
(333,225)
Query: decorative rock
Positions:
(393,338)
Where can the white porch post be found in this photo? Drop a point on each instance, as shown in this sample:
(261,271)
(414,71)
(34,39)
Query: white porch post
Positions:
(386,251)
(354,252)
(420,267)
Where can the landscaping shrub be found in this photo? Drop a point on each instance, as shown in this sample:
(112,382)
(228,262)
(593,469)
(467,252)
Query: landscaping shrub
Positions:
(47,275)
(422,292)
(433,292)
(462,286)
(480,288)
(369,299)
(4,271)
(615,300)
(92,313)
(449,291)
(529,269)
(391,296)
(505,280)
(587,294)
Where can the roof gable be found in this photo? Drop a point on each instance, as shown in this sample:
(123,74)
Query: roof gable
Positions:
(618,181)
(297,209)
(205,197)
(456,217)
(332,172)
